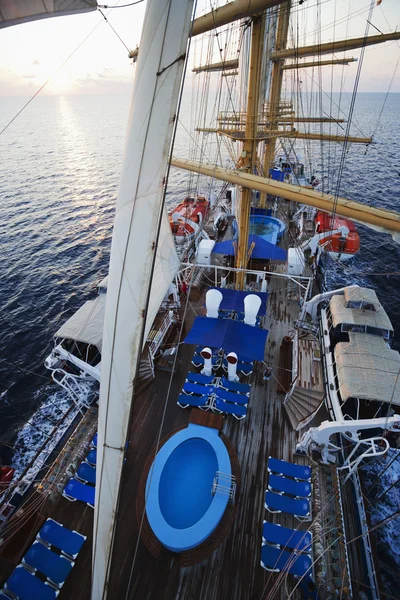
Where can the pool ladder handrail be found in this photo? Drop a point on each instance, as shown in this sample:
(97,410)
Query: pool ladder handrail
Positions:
(224,483)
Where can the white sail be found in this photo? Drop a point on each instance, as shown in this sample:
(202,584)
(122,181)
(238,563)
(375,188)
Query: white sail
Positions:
(156,91)
(13,12)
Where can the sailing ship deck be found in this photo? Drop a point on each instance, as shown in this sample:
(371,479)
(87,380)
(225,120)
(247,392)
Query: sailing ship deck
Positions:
(233,569)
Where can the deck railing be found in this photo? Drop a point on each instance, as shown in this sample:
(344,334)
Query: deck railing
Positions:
(156,337)
(225,484)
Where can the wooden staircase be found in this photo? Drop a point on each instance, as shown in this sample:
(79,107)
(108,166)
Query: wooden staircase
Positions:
(146,371)
(301,406)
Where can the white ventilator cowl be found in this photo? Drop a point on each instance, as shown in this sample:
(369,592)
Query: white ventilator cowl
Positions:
(213,300)
(232,361)
(252,305)
(207,355)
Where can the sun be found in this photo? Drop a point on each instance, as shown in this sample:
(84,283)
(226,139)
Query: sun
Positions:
(61,82)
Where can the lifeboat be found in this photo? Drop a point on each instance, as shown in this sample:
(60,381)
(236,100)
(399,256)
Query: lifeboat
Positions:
(339,247)
(6,475)
(186,218)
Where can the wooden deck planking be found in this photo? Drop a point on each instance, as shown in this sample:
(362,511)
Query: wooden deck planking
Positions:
(233,570)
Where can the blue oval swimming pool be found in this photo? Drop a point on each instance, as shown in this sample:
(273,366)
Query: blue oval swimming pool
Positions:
(269,228)
(181,508)
(188,476)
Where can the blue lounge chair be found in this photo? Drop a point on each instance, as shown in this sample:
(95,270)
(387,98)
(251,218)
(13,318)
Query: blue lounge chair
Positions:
(301,489)
(76,490)
(286,538)
(287,469)
(91,457)
(55,567)
(298,507)
(245,368)
(199,378)
(185,401)
(198,361)
(93,443)
(26,586)
(231,409)
(275,559)
(3,596)
(197,388)
(231,397)
(86,473)
(54,534)
(233,386)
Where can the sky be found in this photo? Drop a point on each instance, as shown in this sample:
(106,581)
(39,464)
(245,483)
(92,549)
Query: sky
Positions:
(30,53)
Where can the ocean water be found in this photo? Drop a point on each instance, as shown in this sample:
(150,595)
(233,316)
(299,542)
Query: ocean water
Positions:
(59,173)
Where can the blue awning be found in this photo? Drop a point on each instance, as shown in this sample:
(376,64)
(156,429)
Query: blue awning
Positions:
(234,299)
(262,249)
(248,342)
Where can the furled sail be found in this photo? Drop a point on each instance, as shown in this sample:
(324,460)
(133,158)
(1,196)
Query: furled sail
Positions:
(139,208)
(13,12)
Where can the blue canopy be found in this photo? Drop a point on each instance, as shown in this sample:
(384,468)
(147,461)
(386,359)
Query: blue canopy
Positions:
(248,342)
(262,249)
(234,299)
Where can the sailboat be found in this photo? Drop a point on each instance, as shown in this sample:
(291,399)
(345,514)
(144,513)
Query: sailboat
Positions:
(213,480)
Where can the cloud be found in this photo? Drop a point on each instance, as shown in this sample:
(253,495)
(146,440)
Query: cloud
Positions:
(36,62)
(29,76)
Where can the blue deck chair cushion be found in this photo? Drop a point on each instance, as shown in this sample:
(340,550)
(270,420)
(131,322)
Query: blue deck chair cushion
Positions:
(289,469)
(245,368)
(28,587)
(233,386)
(91,457)
(199,378)
(275,559)
(56,568)
(294,506)
(86,473)
(185,400)
(287,538)
(231,397)
(55,534)
(230,409)
(300,489)
(93,443)
(196,388)
(76,490)
(198,361)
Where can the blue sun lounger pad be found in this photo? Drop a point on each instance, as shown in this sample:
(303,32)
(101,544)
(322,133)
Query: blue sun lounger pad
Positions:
(287,538)
(282,560)
(185,400)
(91,457)
(289,469)
(87,473)
(231,397)
(233,386)
(302,489)
(55,567)
(199,378)
(293,506)
(79,491)
(28,587)
(55,534)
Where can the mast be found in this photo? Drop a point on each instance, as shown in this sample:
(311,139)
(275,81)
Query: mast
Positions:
(276,88)
(138,213)
(250,142)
